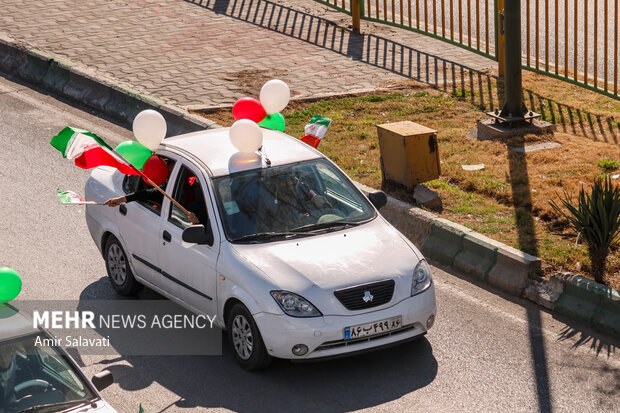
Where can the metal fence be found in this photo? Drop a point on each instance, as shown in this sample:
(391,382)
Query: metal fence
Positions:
(572,40)
(466,23)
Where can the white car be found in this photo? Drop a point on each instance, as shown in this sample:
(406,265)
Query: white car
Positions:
(291,256)
(36,376)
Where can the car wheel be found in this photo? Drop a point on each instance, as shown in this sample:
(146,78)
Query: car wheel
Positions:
(245,339)
(119,271)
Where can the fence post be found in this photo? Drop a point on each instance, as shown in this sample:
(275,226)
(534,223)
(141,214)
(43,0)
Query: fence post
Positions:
(355,13)
(499,37)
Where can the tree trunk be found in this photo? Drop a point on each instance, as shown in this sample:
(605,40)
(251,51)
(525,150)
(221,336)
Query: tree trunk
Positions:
(598,258)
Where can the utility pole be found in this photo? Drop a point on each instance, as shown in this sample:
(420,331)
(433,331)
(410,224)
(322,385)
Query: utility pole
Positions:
(512,59)
(514,110)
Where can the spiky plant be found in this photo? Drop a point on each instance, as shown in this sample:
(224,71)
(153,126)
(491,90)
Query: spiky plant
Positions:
(596,216)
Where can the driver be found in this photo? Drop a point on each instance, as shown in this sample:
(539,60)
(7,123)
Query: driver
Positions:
(8,367)
(296,191)
(319,201)
(295,203)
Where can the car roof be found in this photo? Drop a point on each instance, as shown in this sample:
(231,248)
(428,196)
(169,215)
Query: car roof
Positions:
(213,148)
(13,324)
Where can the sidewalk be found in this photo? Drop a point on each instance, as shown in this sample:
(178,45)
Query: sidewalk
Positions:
(205,53)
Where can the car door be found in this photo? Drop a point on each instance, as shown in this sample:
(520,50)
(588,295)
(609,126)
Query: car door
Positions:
(140,224)
(191,266)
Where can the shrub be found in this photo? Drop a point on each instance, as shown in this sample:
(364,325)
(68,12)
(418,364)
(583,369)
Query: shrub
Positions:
(596,216)
(608,165)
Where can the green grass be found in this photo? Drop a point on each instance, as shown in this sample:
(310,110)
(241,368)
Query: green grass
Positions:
(462,93)
(382,98)
(441,184)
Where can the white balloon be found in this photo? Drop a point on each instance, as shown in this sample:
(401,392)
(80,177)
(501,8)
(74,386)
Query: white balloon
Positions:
(274,96)
(149,127)
(246,135)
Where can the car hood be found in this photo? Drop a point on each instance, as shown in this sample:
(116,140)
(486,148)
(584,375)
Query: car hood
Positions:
(370,252)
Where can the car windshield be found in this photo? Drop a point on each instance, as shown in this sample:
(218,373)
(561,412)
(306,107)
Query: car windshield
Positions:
(35,376)
(286,201)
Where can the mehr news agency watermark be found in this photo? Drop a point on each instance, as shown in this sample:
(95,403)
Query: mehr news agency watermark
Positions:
(124,327)
(88,319)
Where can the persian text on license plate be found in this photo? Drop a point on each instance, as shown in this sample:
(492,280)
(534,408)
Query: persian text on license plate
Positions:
(374,328)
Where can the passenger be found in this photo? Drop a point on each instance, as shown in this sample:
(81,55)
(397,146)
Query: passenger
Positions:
(192,198)
(150,195)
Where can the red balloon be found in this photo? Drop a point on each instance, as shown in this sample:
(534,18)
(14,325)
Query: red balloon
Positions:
(156,170)
(248,108)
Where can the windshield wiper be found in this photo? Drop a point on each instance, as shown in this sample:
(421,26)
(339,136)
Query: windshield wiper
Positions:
(266,236)
(45,406)
(326,225)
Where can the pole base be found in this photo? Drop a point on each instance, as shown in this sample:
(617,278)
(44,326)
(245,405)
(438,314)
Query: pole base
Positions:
(487,129)
(510,120)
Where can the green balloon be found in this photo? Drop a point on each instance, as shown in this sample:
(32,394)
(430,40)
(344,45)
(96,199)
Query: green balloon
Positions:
(135,153)
(275,121)
(10,284)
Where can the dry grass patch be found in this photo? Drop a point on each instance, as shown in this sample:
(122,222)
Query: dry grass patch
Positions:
(509,199)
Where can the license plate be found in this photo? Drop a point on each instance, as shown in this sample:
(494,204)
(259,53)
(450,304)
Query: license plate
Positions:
(372,329)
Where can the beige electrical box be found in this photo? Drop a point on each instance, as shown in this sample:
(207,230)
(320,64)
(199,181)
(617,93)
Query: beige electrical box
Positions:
(409,153)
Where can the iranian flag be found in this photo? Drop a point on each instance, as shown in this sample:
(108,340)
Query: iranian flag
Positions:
(89,150)
(315,130)
(70,197)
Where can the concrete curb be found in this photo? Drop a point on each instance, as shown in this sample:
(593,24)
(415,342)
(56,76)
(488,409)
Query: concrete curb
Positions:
(78,84)
(590,303)
(477,256)
(206,109)
(445,241)
(513,269)
(505,267)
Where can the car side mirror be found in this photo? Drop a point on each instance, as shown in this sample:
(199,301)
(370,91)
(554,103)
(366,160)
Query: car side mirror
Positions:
(378,199)
(198,234)
(102,380)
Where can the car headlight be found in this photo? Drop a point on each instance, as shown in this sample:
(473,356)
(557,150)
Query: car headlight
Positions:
(295,305)
(422,278)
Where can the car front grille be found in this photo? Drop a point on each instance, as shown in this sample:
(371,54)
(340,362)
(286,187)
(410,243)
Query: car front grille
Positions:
(366,296)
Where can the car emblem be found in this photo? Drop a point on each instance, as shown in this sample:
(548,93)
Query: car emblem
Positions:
(367,297)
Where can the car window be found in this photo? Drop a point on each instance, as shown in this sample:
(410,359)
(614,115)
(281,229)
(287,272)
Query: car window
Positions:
(55,364)
(335,187)
(33,372)
(286,198)
(135,183)
(188,192)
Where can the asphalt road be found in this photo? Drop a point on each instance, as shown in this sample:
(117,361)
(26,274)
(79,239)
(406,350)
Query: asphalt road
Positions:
(486,353)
